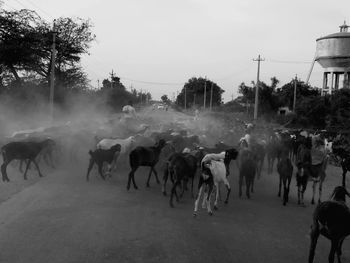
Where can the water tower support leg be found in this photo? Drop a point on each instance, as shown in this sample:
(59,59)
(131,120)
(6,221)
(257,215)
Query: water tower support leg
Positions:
(336,84)
(324,85)
(332,84)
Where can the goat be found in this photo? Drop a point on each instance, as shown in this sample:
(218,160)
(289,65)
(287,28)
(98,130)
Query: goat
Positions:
(285,170)
(144,156)
(332,220)
(214,171)
(22,151)
(181,167)
(247,169)
(126,146)
(100,156)
(218,175)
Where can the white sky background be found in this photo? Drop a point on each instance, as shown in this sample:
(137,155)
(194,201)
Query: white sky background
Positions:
(170,41)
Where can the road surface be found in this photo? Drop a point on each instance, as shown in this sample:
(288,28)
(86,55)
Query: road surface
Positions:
(63,218)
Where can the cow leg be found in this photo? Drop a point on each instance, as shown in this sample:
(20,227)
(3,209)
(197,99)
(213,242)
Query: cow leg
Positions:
(248,184)
(315,232)
(131,177)
(288,187)
(165,179)
(344,175)
(37,167)
(133,180)
(155,174)
(279,188)
(149,177)
(192,187)
(25,172)
(228,191)
(285,191)
(21,165)
(216,196)
(3,171)
(184,182)
(320,191)
(334,247)
(173,192)
(313,192)
(91,164)
(200,187)
(100,166)
(210,190)
(240,185)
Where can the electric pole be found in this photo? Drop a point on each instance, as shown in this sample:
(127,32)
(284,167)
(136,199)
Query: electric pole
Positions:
(98,84)
(211,96)
(205,91)
(259,59)
(112,77)
(141,97)
(185,97)
(52,75)
(295,92)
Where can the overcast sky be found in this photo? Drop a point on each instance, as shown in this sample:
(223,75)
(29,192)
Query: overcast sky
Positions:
(164,41)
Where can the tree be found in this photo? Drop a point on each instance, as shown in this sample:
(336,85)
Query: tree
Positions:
(268,100)
(26,39)
(286,92)
(195,93)
(165,99)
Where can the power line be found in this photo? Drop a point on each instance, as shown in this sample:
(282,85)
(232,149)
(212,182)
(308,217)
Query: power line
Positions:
(287,61)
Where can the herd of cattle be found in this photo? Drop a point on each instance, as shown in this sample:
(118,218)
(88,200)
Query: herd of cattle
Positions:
(182,155)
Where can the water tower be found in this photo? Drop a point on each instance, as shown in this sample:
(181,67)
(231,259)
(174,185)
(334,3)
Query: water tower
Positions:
(333,54)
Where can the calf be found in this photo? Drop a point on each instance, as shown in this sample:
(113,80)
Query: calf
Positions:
(181,167)
(285,170)
(247,169)
(26,151)
(101,156)
(144,156)
(218,175)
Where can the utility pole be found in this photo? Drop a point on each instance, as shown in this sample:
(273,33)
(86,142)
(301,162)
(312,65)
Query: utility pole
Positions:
(141,97)
(112,77)
(211,96)
(259,59)
(185,97)
(205,91)
(295,92)
(98,84)
(194,99)
(52,75)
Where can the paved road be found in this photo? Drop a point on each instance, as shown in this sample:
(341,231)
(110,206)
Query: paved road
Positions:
(63,218)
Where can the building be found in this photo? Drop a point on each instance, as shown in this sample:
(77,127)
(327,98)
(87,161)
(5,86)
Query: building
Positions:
(333,54)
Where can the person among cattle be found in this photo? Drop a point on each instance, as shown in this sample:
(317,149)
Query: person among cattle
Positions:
(129,111)
(129,120)
(196,115)
(249,137)
(318,151)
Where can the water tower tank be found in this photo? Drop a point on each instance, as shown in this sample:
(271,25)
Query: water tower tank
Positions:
(333,54)
(333,51)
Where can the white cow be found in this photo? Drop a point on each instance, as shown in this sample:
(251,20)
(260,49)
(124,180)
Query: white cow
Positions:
(213,162)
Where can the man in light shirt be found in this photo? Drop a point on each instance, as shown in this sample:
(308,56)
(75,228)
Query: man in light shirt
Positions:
(129,111)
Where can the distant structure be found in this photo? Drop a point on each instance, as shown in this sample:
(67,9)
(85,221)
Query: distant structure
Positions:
(333,54)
